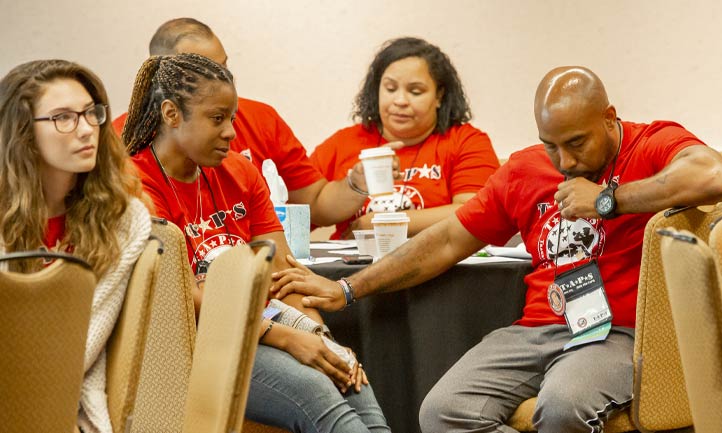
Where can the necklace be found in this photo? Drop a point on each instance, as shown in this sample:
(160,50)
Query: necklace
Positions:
(164,172)
(180,204)
(201,265)
(610,178)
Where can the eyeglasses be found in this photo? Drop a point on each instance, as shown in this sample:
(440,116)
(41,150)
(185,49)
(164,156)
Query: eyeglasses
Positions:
(67,121)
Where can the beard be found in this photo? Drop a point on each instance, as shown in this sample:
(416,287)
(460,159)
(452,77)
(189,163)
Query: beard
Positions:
(590,176)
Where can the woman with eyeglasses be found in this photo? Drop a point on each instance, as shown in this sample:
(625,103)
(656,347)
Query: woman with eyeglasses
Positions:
(69,187)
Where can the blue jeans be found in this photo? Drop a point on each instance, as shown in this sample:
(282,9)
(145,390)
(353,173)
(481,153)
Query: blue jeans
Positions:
(288,394)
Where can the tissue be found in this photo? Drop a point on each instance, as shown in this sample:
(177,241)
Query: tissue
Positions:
(295,218)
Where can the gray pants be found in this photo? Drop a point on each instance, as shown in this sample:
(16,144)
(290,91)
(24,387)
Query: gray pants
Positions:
(577,389)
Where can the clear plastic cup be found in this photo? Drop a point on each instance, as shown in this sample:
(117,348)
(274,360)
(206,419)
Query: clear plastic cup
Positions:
(378,170)
(390,230)
(366,242)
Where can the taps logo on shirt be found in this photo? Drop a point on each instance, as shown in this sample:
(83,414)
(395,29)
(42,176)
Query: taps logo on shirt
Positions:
(212,247)
(425,172)
(564,241)
(403,198)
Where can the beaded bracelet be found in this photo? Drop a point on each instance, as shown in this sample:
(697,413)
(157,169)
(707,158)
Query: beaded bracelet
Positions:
(270,325)
(353,187)
(347,291)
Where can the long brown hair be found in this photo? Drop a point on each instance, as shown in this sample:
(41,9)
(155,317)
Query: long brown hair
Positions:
(99,198)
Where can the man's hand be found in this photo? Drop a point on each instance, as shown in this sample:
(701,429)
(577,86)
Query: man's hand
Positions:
(576,198)
(320,292)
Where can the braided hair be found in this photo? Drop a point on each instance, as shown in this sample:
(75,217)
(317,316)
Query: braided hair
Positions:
(176,78)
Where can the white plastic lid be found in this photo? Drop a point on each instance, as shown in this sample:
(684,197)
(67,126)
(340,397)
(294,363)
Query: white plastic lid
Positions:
(389,217)
(376,152)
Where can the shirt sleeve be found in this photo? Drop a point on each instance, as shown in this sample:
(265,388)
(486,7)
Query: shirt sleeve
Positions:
(665,140)
(293,164)
(474,161)
(485,215)
(152,188)
(324,158)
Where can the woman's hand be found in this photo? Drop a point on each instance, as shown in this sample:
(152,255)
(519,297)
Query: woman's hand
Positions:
(358,375)
(309,349)
(361,223)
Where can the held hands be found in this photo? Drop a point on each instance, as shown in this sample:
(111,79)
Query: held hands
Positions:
(576,198)
(319,292)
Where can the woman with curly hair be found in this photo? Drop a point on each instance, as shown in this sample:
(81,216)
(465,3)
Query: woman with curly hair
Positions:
(71,191)
(412,97)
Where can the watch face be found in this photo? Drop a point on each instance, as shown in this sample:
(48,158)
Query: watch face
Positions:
(604,205)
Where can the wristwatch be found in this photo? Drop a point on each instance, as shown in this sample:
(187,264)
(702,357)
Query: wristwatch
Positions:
(606,204)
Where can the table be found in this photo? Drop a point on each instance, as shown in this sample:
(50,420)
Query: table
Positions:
(406,340)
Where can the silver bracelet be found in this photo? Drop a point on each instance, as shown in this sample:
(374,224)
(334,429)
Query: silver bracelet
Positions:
(353,187)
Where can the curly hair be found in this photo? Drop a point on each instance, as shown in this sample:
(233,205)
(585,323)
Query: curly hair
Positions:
(99,197)
(175,78)
(454,109)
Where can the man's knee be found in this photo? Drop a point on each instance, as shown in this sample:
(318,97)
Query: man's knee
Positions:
(432,411)
(445,411)
(561,413)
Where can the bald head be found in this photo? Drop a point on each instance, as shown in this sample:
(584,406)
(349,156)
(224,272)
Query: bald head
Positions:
(187,35)
(569,88)
(575,121)
(170,33)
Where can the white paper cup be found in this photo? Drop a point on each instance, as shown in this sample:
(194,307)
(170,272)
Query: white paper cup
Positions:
(378,169)
(390,230)
(366,242)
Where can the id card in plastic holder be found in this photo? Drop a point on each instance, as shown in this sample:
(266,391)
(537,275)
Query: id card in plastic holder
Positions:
(586,300)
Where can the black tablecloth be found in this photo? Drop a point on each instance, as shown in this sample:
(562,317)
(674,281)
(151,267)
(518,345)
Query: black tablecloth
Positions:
(406,340)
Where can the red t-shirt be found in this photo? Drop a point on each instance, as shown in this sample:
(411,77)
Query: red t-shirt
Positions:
(434,171)
(243,209)
(261,134)
(54,232)
(519,197)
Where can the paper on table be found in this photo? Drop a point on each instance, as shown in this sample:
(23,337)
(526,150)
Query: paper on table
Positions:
(344,252)
(475,260)
(317,260)
(336,245)
(518,252)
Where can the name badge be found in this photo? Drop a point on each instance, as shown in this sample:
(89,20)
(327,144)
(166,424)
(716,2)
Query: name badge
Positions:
(585,301)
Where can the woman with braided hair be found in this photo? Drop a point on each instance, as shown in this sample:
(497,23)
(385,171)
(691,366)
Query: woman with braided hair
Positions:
(66,182)
(178,132)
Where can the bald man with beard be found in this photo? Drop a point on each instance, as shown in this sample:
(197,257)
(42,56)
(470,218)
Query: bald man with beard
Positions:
(580,200)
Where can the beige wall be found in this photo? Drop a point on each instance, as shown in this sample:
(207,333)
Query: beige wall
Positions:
(659,59)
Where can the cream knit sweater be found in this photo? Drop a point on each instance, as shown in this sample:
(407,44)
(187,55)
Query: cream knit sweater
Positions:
(133,232)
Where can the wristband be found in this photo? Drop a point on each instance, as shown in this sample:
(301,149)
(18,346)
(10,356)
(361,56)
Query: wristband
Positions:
(353,187)
(270,325)
(347,291)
